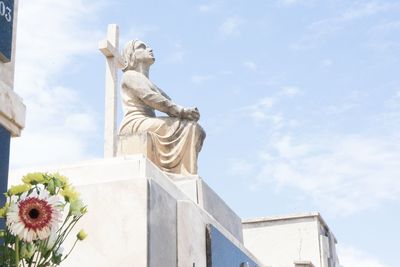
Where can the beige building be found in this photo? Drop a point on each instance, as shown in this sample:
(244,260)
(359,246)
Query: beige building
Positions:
(302,240)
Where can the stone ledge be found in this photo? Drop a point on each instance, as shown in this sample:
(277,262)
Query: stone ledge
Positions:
(12,112)
(202,194)
(303,264)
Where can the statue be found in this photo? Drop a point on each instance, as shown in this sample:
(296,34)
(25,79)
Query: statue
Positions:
(177,138)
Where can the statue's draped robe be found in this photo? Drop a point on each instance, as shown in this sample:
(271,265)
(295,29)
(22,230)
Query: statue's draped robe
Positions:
(177,141)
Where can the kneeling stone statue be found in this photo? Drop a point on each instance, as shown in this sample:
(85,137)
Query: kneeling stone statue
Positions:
(175,139)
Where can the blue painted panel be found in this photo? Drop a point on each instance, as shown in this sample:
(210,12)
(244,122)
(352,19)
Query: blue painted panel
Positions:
(6,29)
(221,252)
(4,161)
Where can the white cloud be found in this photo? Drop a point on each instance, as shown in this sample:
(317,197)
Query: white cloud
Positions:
(387,26)
(326,63)
(59,124)
(340,108)
(198,79)
(137,32)
(258,111)
(240,167)
(250,65)
(290,91)
(231,26)
(353,257)
(207,8)
(176,55)
(291,3)
(262,112)
(345,173)
(266,102)
(321,30)
(365,9)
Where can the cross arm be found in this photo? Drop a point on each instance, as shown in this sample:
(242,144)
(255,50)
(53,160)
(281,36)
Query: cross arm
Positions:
(109,50)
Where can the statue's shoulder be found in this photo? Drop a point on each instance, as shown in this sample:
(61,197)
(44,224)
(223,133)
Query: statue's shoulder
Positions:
(133,79)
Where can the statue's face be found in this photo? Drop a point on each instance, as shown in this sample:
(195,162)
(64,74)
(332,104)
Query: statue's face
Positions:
(143,53)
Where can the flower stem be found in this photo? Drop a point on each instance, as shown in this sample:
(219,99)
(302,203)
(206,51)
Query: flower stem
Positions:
(66,256)
(17,251)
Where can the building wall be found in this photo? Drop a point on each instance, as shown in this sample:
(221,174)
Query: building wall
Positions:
(280,243)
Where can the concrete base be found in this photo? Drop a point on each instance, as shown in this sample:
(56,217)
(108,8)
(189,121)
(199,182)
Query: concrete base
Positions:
(140,217)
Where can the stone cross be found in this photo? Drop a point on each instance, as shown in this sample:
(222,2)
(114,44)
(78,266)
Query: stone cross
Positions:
(109,48)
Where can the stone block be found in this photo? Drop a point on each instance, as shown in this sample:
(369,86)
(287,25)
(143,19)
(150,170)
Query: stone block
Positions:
(199,192)
(135,144)
(191,235)
(189,187)
(12,111)
(116,225)
(162,227)
(216,206)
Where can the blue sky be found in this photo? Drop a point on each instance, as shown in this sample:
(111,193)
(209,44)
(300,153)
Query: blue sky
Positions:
(300,100)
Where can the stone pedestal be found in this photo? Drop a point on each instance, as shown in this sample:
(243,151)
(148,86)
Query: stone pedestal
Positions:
(140,217)
(135,144)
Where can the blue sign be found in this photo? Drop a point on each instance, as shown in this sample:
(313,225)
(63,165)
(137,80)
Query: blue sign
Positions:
(6,29)
(5,137)
(221,252)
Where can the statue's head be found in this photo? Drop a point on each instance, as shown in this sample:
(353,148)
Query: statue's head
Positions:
(137,52)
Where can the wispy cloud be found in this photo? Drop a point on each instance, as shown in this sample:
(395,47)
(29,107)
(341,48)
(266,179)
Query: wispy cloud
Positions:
(250,65)
(231,26)
(390,118)
(53,110)
(176,56)
(292,3)
(327,63)
(262,111)
(240,167)
(346,103)
(353,257)
(290,91)
(347,173)
(387,26)
(364,9)
(319,31)
(137,32)
(207,8)
(198,79)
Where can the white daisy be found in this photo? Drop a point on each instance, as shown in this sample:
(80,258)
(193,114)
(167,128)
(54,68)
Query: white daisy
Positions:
(34,216)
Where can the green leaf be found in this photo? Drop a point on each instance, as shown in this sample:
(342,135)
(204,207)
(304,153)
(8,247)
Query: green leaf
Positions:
(56,258)
(51,187)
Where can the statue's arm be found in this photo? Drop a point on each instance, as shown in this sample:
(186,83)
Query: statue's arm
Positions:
(161,91)
(142,88)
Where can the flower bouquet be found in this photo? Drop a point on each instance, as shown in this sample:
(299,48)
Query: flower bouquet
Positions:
(39,215)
